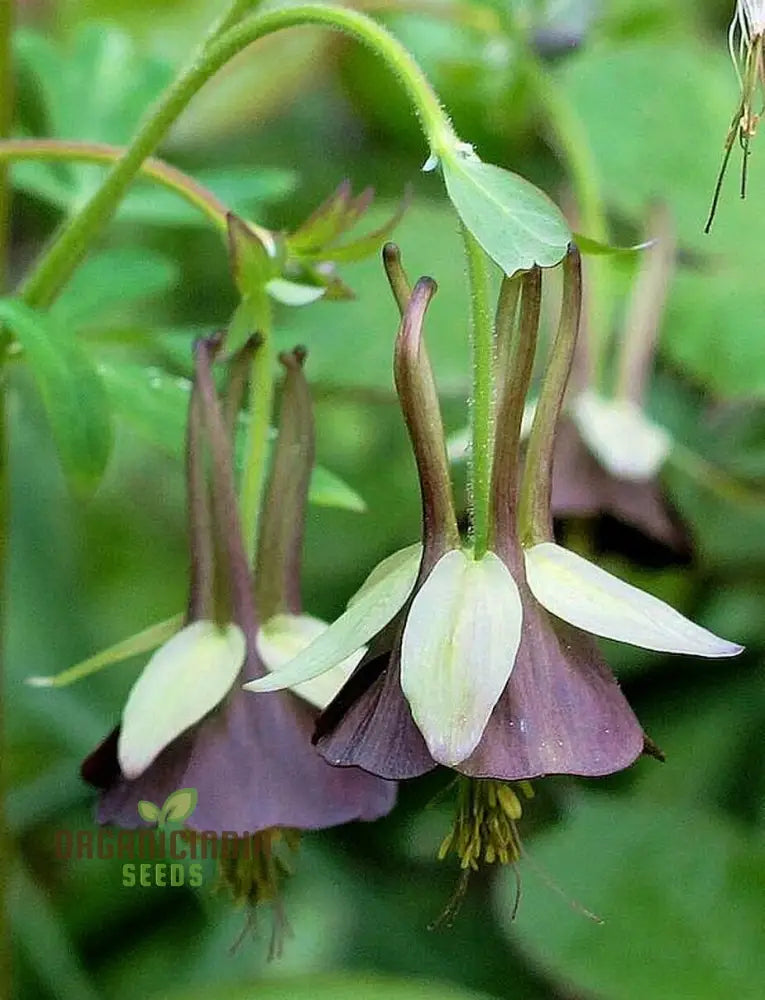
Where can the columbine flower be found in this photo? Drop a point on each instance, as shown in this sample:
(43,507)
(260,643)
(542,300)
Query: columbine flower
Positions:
(187,723)
(608,452)
(745,42)
(493,669)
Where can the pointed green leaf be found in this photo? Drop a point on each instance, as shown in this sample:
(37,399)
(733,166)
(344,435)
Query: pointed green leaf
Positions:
(148,811)
(594,248)
(328,490)
(586,596)
(515,223)
(178,806)
(460,642)
(284,636)
(363,619)
(181,683)
(142,642)
(75,401)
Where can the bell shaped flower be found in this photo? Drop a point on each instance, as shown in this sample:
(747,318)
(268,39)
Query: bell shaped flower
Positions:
(491,668)
(187,723)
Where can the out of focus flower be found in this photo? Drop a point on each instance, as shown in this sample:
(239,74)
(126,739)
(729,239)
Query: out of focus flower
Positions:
(609,454)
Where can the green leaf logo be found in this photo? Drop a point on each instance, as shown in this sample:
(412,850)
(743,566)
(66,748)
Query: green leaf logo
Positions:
(148,811)
(179,806)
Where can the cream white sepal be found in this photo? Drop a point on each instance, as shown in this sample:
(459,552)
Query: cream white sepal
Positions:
(280,640)
(378,600)
(459,646)
(185,679)
(588,597)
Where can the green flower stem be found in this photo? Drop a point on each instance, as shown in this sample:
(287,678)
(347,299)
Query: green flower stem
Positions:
(63,256)
(482,347)
(229,18)
(253,479)
(102,153)
(534,516)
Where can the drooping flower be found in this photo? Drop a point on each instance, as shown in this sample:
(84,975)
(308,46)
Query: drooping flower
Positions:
(609,453)
(187,723)
(491,667)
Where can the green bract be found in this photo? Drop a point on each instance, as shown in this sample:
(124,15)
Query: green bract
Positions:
(515,223)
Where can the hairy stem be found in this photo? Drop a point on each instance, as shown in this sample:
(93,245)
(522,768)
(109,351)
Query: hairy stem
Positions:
(64,255)
(482,348)
(102,153)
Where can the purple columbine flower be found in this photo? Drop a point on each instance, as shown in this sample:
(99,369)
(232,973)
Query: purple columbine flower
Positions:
(187,722)
(491,667)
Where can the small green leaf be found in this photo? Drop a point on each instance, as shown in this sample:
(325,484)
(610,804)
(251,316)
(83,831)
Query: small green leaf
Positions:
(595,248)
(73,394)
(329,490)
(252,258)
(142,642)
(515,223)
(179,806)
(148,811)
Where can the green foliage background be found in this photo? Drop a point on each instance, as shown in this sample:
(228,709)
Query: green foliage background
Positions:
(671,857)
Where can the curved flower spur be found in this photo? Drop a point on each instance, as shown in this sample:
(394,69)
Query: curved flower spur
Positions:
(187,722)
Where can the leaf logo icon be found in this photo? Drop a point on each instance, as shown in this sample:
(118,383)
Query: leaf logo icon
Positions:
(178,806)
(148,811)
